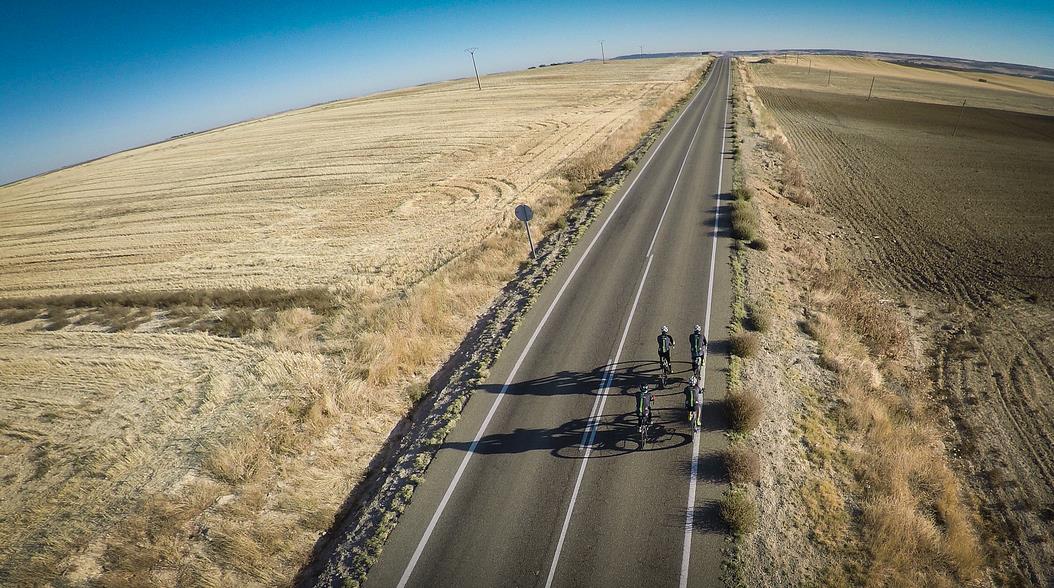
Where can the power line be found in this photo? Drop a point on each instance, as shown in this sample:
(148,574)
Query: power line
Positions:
(472,51)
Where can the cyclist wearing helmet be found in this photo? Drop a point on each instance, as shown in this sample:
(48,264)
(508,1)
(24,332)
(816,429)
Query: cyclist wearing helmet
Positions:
(666,344)
(698,344)
(689,393)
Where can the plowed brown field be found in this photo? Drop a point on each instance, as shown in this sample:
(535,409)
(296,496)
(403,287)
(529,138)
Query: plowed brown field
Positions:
(957,216)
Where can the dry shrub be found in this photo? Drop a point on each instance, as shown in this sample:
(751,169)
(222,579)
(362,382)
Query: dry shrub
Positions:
(759,243)
(743,193)
(760,316)
(800,195)
(745,221)
(739,511)
(742,464)
(879,325)
(745,344)
(745,409)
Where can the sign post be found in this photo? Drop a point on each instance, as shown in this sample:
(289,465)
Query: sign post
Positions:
(525,214)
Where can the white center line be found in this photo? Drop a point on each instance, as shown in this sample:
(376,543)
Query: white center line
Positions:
(512,374)
(690,516)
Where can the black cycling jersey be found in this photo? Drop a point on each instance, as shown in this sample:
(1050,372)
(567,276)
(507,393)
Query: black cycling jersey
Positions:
(665,342)
(698,343)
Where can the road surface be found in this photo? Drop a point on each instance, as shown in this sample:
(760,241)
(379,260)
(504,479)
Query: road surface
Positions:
(543,482)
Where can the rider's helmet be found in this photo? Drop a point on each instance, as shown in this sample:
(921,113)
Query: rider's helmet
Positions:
(644,388)
(692,380)
(698,328)
(665,329)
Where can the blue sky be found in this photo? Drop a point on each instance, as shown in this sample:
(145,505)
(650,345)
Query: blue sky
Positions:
(83,79)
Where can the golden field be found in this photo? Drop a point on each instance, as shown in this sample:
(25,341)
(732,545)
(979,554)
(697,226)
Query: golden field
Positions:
(205,341)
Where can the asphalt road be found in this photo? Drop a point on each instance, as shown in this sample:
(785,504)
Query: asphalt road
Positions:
(543,481)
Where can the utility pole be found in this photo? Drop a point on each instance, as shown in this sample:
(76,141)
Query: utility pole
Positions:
(959,118)
(602,58)
(810,67)
(828,77)
(642,50)
(872,88)
(472,51)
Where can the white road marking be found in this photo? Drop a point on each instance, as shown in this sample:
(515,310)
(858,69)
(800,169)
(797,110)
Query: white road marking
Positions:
(593,427)
(508,382)
(690,516)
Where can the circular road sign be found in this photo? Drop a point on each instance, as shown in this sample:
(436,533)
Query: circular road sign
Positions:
(524,213)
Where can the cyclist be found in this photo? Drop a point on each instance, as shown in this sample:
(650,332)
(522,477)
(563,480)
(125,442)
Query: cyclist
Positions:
(644,398)
(698,344)
(689,394)
(666,344)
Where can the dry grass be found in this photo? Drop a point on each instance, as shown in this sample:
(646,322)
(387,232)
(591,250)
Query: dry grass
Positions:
(340,305)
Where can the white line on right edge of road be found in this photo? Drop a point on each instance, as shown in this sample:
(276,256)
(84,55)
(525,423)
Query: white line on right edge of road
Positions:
(686,554)
(593,428)
(508,382)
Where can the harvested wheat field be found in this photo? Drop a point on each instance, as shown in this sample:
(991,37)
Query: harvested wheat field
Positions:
(948,211)
(204,342)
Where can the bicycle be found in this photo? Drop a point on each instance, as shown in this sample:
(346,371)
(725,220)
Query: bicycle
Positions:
(697,366)
(644,428)
(665,371)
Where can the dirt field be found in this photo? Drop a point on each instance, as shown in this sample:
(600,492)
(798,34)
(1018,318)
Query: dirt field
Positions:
(956,225)
(204,342)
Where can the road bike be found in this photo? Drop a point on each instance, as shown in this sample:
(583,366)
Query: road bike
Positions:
(664,374)
(697,366)
(644,427)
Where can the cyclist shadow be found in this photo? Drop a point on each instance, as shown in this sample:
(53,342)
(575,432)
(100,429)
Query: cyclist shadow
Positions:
(614,435)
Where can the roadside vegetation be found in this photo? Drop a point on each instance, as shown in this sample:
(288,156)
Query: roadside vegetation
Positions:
(855,481)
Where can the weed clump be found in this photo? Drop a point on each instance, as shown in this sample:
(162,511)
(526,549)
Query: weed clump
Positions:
(745,221)
(760,316)
(739,511)
(742,464)
(745,344)
(744,410)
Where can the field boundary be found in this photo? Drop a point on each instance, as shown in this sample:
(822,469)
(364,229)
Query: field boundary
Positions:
(344,555)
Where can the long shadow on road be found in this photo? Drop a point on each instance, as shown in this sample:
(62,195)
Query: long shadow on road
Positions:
(617,432)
